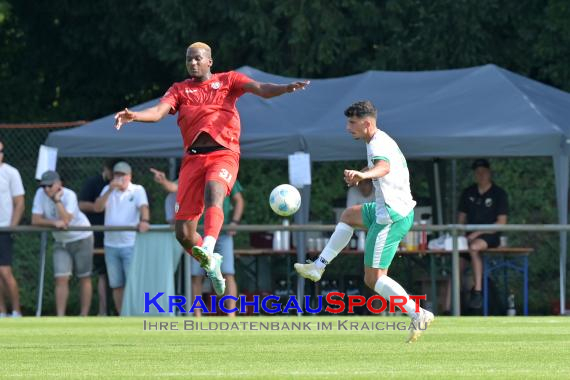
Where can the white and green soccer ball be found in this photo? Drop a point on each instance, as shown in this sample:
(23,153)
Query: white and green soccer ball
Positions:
(285,200)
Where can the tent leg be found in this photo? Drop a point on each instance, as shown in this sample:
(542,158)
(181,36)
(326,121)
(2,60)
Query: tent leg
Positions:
(43,251)
(437,184)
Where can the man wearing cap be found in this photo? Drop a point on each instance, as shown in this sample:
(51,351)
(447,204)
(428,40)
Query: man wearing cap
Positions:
(125,204)
(11,211)
(482,203)
(57,206)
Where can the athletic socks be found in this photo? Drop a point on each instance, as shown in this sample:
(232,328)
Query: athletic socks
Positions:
(208,244)
(339,239)
(386,287)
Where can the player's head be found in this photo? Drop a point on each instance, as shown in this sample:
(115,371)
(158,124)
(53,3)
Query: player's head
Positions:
(199,60)
(481,171)
(50,182)
(122,173)
(361,123)
(108,166)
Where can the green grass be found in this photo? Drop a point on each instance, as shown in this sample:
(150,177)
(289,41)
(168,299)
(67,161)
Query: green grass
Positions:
(71,347)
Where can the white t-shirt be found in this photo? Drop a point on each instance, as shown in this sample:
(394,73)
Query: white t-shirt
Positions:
(44,206)
(392,190)
(10,186)
(123,209)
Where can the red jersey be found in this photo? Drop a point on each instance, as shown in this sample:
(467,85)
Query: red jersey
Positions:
(209,107)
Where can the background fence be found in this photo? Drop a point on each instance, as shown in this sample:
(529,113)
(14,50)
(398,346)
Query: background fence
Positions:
(528,181)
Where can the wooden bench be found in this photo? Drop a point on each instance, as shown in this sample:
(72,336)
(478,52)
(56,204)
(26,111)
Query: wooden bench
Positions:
(494,259)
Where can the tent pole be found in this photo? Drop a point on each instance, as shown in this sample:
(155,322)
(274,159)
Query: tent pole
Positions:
(172,169)
(437,184)
(453,190)
(302,217)
(561,168)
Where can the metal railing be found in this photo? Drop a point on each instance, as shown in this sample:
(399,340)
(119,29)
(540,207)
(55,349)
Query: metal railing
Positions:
(454,229)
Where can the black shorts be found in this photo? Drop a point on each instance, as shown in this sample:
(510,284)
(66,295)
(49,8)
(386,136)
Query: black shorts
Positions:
(492,240)
(5,249)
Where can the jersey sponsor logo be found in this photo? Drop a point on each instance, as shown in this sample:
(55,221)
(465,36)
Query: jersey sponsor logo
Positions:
(488,202)
(225,175)
(216,85)
(191,90)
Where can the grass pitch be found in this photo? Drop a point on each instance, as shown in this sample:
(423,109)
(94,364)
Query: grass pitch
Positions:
(502,347)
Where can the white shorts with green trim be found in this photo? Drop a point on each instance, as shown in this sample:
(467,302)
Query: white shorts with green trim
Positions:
(382,240)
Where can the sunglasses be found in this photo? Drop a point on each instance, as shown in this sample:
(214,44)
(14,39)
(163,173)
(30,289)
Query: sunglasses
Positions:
(46,186)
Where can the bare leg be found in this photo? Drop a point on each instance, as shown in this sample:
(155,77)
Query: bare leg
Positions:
(475,249)
(11,286)
(86,291)
(61,294)
(2,292)
(197,291)
(102,293)
(186,234)
(231,290)
(118,298)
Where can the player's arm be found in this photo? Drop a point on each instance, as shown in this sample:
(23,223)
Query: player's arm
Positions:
(87,206)
(160,178)
(238,203)
(39,220)
(18,210)
(148,115)
(380,169)
(270,90)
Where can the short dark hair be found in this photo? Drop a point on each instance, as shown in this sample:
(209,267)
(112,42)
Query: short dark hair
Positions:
(111,162)
(361,109)
(480,163)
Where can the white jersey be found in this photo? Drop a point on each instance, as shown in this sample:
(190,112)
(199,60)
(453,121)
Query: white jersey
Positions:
(392,190)
(123,209)
(44,206)
(10,186)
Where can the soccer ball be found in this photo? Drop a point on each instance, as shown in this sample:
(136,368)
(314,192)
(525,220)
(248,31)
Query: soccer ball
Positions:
(285,200)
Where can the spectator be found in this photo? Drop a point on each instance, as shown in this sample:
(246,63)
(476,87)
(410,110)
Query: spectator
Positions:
(11,211)
(233,207)
(482,203)
(125,204)
(171,187)
(361,193)
(57,206)
(91,189)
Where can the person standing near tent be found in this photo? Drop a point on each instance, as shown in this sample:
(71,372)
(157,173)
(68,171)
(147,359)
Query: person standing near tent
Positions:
(388,219)
(210,126)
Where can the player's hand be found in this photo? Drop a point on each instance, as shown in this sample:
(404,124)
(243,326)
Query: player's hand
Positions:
(292,87)
(144,226)
(159,176)
(232,233)
(115,183)
(60,224)
(57,196)
(353,177)
(123,117)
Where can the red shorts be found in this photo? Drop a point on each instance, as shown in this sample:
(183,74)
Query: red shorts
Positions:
(197,169)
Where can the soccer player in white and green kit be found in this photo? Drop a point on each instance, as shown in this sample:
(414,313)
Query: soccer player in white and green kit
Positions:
(387,220)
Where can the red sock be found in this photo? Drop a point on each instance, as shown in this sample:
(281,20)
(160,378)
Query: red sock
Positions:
(213,220)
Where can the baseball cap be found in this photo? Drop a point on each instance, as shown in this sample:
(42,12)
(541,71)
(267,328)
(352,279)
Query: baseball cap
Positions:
(481,162)
(49,177)
(122,167)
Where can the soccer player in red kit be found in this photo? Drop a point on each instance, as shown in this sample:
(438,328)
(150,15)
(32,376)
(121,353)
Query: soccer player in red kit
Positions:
(210,126)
